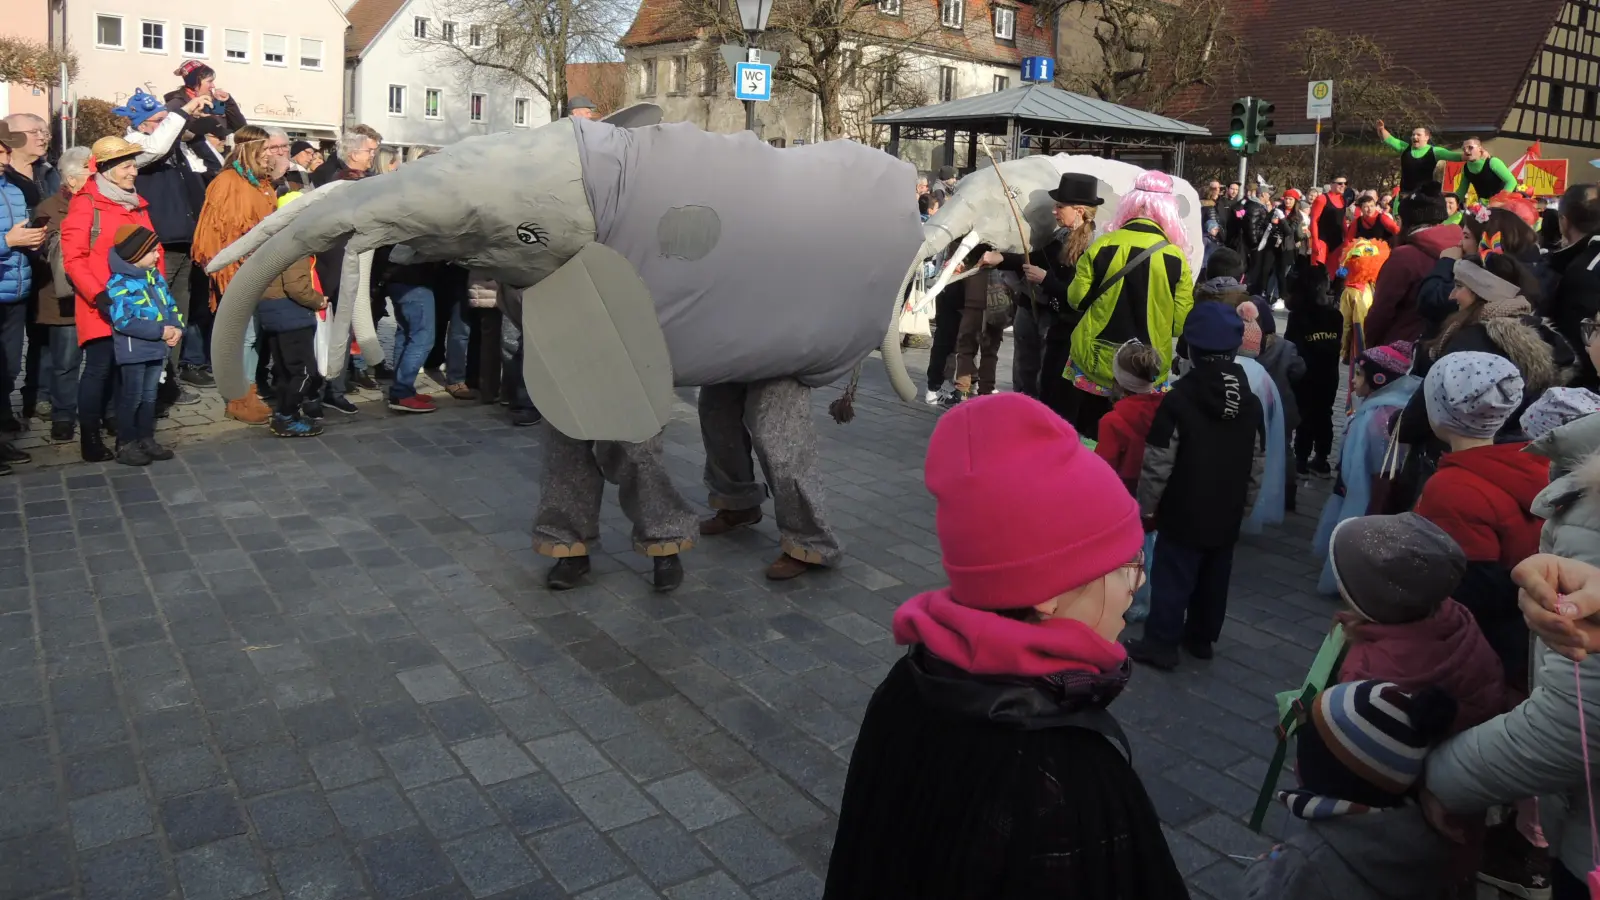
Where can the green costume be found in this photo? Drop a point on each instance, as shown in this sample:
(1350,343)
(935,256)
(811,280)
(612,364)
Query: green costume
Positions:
(1487,177)
(1417,164)
(1160,294)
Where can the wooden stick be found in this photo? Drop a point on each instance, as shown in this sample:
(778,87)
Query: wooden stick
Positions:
(1010,200)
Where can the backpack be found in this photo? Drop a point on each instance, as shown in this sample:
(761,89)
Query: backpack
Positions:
(58,262)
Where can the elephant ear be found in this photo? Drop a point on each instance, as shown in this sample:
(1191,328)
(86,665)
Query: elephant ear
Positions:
(638,115)
(595,361)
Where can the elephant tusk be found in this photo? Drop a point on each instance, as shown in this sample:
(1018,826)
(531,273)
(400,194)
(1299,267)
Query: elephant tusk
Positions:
(894,365)
(960,253)
(252,240)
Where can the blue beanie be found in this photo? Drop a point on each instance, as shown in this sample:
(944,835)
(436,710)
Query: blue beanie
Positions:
(140,107)
(1213,327)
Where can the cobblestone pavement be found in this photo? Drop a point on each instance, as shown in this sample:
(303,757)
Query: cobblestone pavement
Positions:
(326,669)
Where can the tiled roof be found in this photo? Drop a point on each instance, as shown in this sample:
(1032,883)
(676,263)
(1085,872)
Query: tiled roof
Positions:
(665,21)
(600,82)
(367,18)
(1473,54)
(1043,103)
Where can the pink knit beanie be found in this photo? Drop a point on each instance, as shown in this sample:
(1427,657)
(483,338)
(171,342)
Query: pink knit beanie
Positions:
(1026,511)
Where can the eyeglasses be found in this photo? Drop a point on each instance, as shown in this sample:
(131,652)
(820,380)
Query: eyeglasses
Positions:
(1136,569)
(1340,183)
(39,131)
(1586,330)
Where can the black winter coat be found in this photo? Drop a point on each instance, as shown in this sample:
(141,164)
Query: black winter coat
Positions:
(963,787)
(1052,292)
(1576,298)
(1257,223)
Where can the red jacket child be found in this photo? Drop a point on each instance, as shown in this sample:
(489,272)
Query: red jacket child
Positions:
(1481,497)
(1396,574)
(1122,433)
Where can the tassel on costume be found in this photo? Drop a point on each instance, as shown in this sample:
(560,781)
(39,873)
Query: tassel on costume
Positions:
(843,408)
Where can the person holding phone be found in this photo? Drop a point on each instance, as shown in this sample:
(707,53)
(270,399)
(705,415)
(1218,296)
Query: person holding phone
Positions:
(16,285)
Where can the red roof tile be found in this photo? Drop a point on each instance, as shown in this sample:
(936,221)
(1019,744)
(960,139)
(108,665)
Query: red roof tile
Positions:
(367,18)
(602,83)
(1473,54)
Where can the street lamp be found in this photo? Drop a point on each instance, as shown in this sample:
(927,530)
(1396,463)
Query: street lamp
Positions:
(753,16)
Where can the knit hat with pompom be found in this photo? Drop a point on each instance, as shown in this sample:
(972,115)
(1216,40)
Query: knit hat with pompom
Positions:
(1252,329)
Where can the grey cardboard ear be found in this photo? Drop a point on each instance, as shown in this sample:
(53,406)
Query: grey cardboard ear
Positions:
(638,115)
(594,359)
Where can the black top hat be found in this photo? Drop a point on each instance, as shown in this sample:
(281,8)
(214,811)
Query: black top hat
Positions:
(1078,190)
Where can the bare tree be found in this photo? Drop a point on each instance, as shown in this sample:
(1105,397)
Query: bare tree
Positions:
(527,42)
(34,64)
(1155,54)
(827,45)
(879,85)
(1371,84)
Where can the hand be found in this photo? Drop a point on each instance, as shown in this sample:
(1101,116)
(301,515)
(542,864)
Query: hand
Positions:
(964,385)
(1383,130)
(991,259)
(1034,274)
(1349,618)
(220,94)
(171,335)
(1448,825)
(1450,253)
(23,237)
(193,107)
(1560,599)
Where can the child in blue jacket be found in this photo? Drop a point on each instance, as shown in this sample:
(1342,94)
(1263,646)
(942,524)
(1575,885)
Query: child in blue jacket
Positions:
(145,322)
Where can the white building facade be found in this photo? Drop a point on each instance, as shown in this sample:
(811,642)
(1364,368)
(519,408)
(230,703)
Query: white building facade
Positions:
(416,93)
(281,61)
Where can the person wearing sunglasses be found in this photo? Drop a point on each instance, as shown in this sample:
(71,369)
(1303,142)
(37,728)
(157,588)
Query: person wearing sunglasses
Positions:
(1328,220)
(987,762)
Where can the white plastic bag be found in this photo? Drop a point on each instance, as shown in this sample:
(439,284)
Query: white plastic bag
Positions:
(319,342)
(916,314)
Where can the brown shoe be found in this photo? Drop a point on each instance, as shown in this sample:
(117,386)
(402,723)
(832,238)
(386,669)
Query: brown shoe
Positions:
(461,392)
(786,567)
(727,520)
(249,409)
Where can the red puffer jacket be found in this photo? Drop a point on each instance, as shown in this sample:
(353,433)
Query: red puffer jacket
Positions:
(1447,650)
(87,266)
(1481,498)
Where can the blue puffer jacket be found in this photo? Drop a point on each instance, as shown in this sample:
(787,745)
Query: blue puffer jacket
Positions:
(141,307)
(16,269)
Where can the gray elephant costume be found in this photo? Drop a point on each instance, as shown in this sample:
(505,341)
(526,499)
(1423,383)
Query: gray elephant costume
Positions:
(655,256)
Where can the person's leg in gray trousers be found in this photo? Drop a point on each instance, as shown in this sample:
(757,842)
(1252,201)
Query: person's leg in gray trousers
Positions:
(1027,348)
(771,420)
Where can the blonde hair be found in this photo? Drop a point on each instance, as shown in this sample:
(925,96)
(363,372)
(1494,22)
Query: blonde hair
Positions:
(249,151)
(1139,360)
(1078,241)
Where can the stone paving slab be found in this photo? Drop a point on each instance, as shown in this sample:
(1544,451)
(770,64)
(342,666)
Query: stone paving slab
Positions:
(326,669)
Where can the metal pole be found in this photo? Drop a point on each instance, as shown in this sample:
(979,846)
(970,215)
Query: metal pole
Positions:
(1244,170)
(751,54)
(1316,155)
(749,115)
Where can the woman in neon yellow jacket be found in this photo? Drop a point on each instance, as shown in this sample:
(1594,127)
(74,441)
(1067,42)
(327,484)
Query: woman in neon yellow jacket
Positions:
(1121,302)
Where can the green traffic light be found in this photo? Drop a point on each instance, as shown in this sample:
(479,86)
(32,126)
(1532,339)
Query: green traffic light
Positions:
(1236,140)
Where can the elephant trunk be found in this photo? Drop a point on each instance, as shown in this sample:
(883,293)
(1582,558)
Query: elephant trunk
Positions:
(894,365)
(238,306)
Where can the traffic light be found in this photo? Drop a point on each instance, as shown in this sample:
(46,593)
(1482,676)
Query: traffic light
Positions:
(1238,124)
(1260,124)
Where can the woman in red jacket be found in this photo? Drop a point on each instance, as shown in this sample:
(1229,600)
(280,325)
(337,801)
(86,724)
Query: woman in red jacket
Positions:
(106,203)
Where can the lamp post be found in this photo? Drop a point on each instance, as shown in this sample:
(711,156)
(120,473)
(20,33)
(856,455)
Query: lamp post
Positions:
(753,16)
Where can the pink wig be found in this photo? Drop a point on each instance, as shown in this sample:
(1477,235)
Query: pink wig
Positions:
(1152,198)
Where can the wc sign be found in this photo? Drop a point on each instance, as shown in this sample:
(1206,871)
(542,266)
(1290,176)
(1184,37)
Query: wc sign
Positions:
(752,81)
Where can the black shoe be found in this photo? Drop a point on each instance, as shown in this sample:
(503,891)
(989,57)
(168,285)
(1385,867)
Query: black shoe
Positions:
(522,418)
(155,451)
(383,372)
(62,432)
(365,381)
(185,397)
(668,573)
(567,573)
(196,376)
(9,424)
(131,454)
(1320,467)
(1300,467)
(310,409)
(1198,648)
(93,446)
(4,469)
(341,405)
(12,456)
(1153,654)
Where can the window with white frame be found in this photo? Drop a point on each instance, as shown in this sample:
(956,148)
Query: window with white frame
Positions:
(447,32)
(889,7)
(194,40)
(1005,23)
(947,83)
(1001,83)
(311,54)
(474,35)
(431,100)
(153,36)
(397,99)
(108,31)
(236,45)
(647,78)
(886,81)
(519,111)
(952,13)
(678,75)
(475,112)
(419,27)
(274,49)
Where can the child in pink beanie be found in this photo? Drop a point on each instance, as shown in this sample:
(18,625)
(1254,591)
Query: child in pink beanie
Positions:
(987,764)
